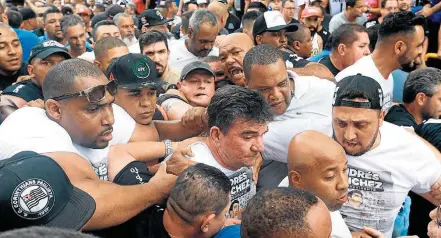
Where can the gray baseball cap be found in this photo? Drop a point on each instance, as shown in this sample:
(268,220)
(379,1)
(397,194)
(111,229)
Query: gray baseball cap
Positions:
(196,65)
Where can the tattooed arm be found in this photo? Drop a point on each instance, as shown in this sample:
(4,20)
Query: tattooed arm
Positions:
(175,108)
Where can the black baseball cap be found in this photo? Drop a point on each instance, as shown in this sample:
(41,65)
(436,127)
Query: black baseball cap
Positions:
(358,84)
(97,18)
(196,65)
(271,21)
(35,191)
(47,48)
(113,10)
(27,13)
(151,17)
(134,71)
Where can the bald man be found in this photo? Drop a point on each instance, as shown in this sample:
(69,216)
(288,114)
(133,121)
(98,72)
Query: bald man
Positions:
(318,164)
(220,10)
(232,51)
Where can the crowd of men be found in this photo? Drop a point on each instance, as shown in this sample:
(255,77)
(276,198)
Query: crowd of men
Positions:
(220,118)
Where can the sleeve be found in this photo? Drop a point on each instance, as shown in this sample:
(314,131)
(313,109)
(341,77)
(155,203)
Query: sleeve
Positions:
(332,24)
(427,169)
(123,127)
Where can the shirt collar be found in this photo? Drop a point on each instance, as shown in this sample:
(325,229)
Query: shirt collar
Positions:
(301,84)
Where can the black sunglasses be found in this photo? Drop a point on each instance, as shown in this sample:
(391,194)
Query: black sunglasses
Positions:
(94,94)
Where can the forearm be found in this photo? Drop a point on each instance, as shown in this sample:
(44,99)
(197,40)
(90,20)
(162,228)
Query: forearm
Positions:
(128,201)
(147,4)
(146,151)
(439,39)
(436,8)
(174,130)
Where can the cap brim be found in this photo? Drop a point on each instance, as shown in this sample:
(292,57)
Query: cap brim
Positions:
(76,213)
(192,70)
(159,23)
(135,86)
(289,28)
(50,52)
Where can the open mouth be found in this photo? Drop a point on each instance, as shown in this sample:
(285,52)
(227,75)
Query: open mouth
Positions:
(200,94)
(236,71)
(276,104)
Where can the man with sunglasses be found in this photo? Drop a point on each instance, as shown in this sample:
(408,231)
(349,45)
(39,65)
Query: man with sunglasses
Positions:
(43,57)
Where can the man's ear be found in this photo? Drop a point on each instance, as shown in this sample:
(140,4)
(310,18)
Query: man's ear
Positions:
(31,70)
(53,109)
(421,99)
(215,134)
(296,45)
(400,48)
(179,85)
(295,180)
(190,33)
(259,39)
(5,19)
(341,49)
(206,220)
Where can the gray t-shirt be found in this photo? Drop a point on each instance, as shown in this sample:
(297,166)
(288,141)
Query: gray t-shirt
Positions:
(340,19)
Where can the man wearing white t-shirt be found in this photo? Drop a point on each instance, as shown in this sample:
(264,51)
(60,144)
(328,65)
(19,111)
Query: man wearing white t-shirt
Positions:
(237,118)
(318,164)
(400,45)
(202,32)
(299,103)
(79,109)
(385,161)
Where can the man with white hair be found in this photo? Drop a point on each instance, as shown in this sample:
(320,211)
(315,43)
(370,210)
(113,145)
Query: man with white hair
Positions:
(126,26)
(202,32)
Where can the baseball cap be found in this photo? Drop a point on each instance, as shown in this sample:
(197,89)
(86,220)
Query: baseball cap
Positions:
(97,18)
(311,12)
(47,48)
(35,191)
(27,13)
(134,71)
(358,84)
(271,21)
(113,10)
(83,10)
(199,2)
(151,17)
(196,65)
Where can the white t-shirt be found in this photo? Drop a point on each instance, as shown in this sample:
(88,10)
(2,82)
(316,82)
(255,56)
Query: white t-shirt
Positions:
(243,187)
(339,228)
(310,109)
(380,180)
(367,67)
(90,56)
(180,56)
(29,129)
(122,132)
(340,19)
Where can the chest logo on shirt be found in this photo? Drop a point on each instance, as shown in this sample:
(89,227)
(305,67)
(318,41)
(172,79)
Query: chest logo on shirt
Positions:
(364,180)
(32,199)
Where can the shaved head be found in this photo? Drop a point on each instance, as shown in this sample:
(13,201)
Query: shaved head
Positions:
(233,48)
(318,164)
(220,10)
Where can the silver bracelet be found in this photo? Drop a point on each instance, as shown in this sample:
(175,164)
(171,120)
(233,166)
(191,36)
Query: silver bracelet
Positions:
(168,147)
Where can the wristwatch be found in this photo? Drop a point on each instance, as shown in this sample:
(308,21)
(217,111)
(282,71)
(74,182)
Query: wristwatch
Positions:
(168,147)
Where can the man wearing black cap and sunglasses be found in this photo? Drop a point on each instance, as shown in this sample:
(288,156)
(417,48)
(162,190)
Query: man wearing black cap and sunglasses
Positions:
(195,89)
(43,57)
(78,127)
(385,161)
(152,19)
(36,192)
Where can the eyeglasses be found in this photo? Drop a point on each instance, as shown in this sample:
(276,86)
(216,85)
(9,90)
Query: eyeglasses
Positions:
(94,94)
(438,216)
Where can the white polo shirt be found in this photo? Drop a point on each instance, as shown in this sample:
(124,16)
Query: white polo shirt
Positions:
(310,109)
(366,67)
(180,56)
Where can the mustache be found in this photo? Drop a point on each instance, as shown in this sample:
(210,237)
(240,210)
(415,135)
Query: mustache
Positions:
(108,128)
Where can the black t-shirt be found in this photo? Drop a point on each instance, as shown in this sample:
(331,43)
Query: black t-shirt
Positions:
(371,23)
(326,61)
(233,23)
(294,21)
(6,81)
(39,31)
(27,89)
(399,116)
(324,34)
(295,60)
